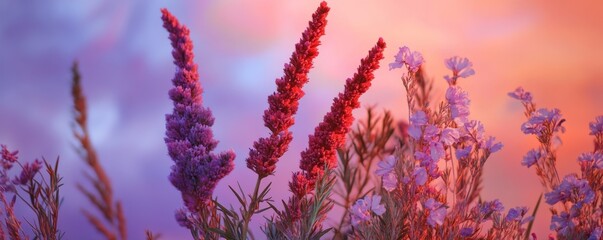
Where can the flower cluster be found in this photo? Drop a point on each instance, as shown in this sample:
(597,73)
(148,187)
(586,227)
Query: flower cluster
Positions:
(189,137)
(361,211)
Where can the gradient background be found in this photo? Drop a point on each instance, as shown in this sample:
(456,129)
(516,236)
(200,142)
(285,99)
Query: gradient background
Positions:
(552,48)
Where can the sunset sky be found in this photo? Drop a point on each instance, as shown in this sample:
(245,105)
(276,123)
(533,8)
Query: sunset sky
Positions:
(551,48)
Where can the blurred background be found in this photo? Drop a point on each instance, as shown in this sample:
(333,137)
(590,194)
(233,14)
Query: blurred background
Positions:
(551,48)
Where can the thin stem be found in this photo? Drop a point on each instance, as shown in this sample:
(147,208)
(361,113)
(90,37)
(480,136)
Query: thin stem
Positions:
(253,206)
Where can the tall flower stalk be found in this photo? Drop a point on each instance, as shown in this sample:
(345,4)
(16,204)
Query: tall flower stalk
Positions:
(331,132)
(283,105)
(189,138)
(112,223)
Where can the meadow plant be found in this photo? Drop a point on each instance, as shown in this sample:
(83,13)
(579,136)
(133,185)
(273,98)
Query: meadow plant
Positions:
(417,178)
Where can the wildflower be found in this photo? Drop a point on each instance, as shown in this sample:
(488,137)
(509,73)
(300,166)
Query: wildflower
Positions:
(390,181)
(532,157)
(461,67)
(522,95)
(436,150)
(420,175)
(28,173)
(571,189)
(486,209)
(361,210)
(596,127)
(490,145)
(8,157)
(449,136)
(283,103)
(458,101)
(516,214)
(562,223)
(331,132)
(591,159)
(437,212)
(540,119)
(466,231)
(419,118)
(413,60)
(463,152)
(183,219)
(189,137)
(386,166)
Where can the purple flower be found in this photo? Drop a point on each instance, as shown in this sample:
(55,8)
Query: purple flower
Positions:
(571,189)
(532,157)
(596,127)
(361,210)
(183,218)
(591,159)
(437,212)
(390,181)
(562,223)
(516,214)
(413,60)
(522,95)
(436,151)
(461,67)
(414,132)
(449,136)
(458,101)
(386,166)
(490,145)
(486,209)
(542,118)
(420,175)
(463,152)
(466,231)
(8,157)
(596,234)
(189,138)
(419,118)
(28,173)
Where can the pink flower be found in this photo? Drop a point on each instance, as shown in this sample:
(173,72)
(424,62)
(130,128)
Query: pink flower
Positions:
(28,173)
(331,132)
(283,103)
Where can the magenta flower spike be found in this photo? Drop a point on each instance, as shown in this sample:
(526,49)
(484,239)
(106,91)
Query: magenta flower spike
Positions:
(283,103)
(189,138)
(331,132)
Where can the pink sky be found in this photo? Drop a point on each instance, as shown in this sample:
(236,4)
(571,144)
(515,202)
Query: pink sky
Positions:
(549,47)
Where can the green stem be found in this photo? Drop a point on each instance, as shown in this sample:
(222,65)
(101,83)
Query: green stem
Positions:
(253,206)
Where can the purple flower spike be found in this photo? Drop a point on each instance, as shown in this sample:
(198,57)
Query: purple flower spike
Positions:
(189,137)
(461,68)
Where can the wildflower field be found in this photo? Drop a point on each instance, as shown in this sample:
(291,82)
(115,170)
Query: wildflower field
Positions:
(301,120)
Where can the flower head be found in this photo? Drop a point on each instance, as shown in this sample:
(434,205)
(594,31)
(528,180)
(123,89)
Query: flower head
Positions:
(562,223)
(458,101)
(390,181)
(461,68)
(532,157)
(283,103)
(543,120)
(361,210)
(413,60)
(8,157)
(571,189)
(330,134)
(522,95)
(486,209)
(596,127)
(28,173)
(437,212)
(189,137)
(420,175)
(386,166)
